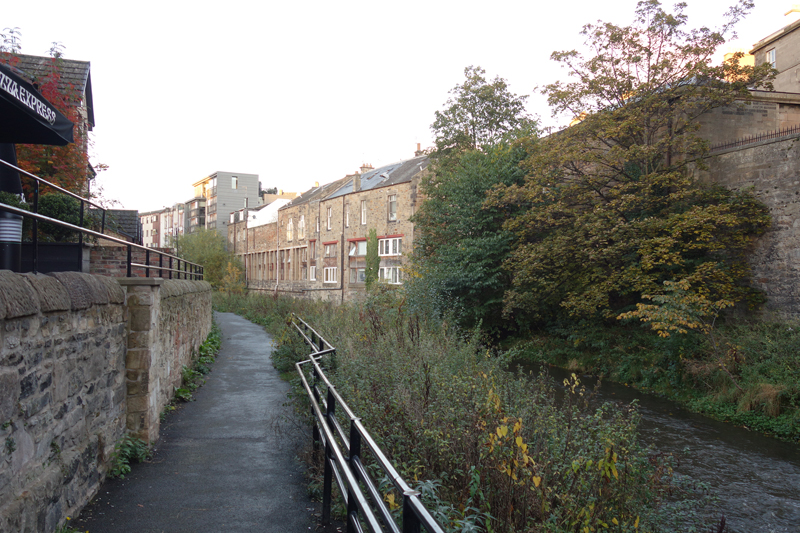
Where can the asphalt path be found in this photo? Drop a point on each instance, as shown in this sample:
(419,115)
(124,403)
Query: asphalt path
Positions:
(224,462)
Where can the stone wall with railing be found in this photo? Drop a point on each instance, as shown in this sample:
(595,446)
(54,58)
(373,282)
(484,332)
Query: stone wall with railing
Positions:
(83,360)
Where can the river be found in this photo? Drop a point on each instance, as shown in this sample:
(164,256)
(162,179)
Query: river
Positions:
(756,478)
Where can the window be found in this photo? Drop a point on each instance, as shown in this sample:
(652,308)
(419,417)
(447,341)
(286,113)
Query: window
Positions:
(346,215)
(301,228)
(330,275)
(392,207)
(312,249)
(317,225)
(771,58)
(363,212)
(358,271)
(234,182)
(330,250)
(390,275)
(393,246)
(289,230)
(330,217)
(358,249)
(312,273)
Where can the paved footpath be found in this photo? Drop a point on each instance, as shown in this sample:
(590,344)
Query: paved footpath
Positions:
(225,462)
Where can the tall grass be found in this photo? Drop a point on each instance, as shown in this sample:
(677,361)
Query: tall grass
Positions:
(490,450)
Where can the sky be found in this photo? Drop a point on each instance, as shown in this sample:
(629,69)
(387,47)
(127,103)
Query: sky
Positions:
(302,92)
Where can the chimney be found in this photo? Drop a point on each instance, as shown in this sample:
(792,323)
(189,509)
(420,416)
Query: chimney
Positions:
(357,182)
(419,151)
(366,167)
(316,184)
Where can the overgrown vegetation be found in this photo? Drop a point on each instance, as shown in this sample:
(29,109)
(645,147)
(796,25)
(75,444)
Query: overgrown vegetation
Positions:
(193,377)
(221,268)
(128,450)
(490,450)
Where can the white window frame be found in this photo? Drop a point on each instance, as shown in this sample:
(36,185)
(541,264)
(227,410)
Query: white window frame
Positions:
(363,212)
(347,215)
(301,227)
(391,275)
(390,247)
(330,248)
(358,249)
(330,217)
(289,230)
(312,273)
(330,274)
(772,58)
(392,207)
(234,182)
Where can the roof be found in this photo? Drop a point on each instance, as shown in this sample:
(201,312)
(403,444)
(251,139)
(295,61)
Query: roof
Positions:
(122,221)
(266,214)
(74,73)
(400,172)
(766,41)
(318,193)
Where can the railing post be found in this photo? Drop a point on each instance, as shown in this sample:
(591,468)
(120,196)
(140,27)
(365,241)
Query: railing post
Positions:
(80,233)
(130,259)
(160,265)
(35,236)
(411,523)
(327,479)
(103,225)
(355,453)
(170,268)
(147,263)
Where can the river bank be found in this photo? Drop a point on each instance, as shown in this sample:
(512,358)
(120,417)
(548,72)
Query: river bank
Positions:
(746,374)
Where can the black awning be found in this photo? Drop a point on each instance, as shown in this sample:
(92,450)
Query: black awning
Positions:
(26,117)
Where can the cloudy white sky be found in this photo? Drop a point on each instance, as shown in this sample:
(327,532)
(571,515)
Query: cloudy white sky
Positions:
(299,92)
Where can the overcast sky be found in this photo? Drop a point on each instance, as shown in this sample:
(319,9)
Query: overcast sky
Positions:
(299,92)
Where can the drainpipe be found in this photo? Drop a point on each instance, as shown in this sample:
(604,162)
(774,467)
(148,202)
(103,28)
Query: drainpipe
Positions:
(277,246)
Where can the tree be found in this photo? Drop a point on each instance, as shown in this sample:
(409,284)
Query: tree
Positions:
(207,248)
(478,113)
(461,245)
(610,206)
(373,259)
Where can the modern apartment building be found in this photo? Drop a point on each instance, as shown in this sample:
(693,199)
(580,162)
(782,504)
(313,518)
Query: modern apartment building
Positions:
(224,193)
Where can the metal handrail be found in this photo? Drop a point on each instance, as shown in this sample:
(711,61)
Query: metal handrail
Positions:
(196,269)
(350,472)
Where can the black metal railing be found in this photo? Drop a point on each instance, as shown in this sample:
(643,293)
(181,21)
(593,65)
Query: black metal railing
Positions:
(180,268)
(344,451)
(777,134)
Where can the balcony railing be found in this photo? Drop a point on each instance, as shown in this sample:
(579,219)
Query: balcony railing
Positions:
(166,262)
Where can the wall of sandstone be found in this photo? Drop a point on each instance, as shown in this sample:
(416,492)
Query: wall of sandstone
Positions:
(65,382)
(771,169)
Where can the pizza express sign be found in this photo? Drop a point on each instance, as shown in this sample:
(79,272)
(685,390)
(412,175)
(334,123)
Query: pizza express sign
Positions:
(27,98)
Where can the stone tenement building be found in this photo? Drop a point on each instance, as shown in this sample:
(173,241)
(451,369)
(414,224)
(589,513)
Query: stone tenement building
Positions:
(315,246)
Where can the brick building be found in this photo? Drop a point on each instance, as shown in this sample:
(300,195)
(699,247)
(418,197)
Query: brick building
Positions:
(315,246)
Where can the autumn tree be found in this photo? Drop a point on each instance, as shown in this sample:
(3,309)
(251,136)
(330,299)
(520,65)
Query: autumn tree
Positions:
(66,166)
(208,248)
(610,209)
(478,113)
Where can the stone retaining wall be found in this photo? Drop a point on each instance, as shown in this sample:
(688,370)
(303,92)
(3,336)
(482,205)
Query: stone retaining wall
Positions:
(83,359)
(770,168)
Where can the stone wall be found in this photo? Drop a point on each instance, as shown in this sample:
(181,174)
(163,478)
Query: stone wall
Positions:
(62,393)
(82,361)
(772,170)
(169,320)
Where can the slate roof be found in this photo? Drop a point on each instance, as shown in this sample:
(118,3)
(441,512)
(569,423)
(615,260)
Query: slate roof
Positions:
(73,73)
(318,193)
(122,221)
(400,172)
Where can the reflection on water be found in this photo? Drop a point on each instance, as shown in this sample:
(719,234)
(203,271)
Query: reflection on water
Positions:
(756,478)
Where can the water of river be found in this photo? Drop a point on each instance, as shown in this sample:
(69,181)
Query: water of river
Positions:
(756,478)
